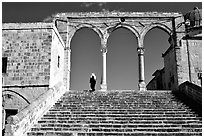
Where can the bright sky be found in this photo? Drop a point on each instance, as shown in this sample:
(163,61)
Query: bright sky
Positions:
(122,61)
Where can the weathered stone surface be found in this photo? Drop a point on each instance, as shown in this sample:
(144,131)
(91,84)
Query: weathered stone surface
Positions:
(28,48)
(57,59)
(19,124)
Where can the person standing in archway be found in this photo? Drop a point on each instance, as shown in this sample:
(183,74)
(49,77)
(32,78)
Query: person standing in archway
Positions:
(92,81)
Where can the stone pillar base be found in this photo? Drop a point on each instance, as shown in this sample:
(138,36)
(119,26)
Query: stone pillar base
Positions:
(103,87)
(142,86)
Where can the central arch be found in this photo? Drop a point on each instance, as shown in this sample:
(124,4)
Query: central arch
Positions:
(122,61)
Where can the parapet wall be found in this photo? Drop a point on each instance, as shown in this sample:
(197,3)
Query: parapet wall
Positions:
(19,124)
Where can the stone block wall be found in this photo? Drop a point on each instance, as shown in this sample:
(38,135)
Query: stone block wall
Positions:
(19,124)
(18,98)
(57,59)
(62,29)
(195,52)
(27,47)
(191,61)
(193,91)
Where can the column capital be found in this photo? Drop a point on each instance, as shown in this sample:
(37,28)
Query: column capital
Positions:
(104,50)
(140,50)
(104,45)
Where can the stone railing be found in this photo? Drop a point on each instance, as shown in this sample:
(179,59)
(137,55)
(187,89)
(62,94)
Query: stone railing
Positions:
(20,123)
(192,91)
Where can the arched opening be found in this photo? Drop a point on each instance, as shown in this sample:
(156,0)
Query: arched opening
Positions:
(155,43)
(122,60)
(86,58)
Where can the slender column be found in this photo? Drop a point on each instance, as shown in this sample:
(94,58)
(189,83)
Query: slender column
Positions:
(104,82)
(104,53)
(142,85)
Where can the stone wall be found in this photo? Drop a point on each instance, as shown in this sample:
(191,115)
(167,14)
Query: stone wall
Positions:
(57,59)
(19,98)
(191,90)
(191,61)
(27,47)
(152,85)
(19,124)
(170,69)
(158,82)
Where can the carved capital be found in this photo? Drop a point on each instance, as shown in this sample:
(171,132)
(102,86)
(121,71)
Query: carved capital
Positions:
(104,49)
(140,50)
(104,45)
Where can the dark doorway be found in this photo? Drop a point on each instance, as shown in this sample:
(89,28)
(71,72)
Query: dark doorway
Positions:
(8,112)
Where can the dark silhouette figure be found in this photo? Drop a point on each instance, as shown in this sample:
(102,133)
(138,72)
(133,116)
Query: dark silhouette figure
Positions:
(92,82)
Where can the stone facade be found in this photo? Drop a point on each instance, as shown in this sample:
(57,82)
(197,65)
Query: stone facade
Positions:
(33,75)
(187,64)
(192,59)
(57,59)
(26,50)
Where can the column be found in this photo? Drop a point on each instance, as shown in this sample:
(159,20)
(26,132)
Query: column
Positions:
(104,82)
(141,85)
(104,53)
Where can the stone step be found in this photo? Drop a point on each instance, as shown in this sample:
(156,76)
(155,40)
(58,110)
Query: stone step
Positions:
(124,125)
(127,129)
(141,134)
(140,116)
(123,121)
(139,111)
(119,115)
(58,113)
(53,133)
(115,108)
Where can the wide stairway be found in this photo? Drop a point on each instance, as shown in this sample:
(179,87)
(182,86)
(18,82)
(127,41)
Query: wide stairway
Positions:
(118,113)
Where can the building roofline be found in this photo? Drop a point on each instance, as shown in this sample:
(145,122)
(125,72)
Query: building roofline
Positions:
(118,14)
(167,51)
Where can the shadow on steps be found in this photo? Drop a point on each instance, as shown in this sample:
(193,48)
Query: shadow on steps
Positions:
(194,106)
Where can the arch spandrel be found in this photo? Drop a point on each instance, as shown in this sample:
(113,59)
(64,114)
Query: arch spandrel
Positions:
(131,28)
(74,29)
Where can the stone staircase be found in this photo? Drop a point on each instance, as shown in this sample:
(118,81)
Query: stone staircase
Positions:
(118,113)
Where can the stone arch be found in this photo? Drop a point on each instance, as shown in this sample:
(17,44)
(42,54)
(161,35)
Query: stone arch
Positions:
(126,26)
(155,25)
(94,33)
(16,94)
(115,56)
(85,25)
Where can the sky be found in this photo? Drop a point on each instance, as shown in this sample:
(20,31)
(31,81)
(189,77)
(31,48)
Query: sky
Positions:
(122,58)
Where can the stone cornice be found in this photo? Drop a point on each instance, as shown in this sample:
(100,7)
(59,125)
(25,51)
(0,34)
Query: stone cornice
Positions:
(118,14)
